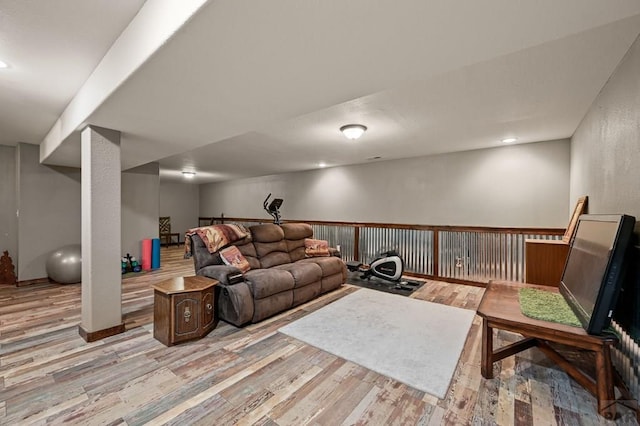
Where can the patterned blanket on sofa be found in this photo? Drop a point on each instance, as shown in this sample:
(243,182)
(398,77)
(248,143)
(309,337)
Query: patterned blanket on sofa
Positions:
(215,237)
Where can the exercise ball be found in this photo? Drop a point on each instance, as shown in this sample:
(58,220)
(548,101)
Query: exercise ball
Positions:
(64,265)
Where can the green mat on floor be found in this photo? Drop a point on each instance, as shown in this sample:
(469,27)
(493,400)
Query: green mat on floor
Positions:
(547,306)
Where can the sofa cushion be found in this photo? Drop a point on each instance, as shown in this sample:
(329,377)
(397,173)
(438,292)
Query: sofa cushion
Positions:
(303,273)
(249,252)
(271,305)
(231,256)
(296,249)
(267,233)
(329,265)
(270,246)
(275,258)
(297,231)
(294,235)
(306,293)
(331,282)
(264,249)
(266,282)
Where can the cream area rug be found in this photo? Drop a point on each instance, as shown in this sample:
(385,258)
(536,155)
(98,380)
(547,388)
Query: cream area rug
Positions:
(413,341)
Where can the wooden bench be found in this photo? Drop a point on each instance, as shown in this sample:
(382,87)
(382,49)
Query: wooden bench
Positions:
(500,309)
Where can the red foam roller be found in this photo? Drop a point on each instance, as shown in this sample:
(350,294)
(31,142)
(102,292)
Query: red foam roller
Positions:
(146,254)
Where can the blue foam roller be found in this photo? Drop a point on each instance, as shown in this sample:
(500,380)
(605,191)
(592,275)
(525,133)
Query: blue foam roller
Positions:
(155,253)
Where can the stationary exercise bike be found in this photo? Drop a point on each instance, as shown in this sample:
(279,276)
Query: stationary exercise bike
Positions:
(388,266)
(274,208)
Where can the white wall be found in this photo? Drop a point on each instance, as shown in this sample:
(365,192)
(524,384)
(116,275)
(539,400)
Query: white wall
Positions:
(605,165)
(519,185)
(605,149)
(48,201)
(8,219)
(140,207)
(181,202)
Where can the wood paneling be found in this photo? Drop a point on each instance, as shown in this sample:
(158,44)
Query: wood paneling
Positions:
(544,260)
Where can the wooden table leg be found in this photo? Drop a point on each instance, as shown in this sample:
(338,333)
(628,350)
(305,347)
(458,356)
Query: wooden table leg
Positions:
(628,400)
(486,364)
(604,384)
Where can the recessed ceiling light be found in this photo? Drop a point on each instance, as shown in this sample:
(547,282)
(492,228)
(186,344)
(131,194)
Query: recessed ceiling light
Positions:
(509,140)
(4,64)
(322,165)
(189,175)
(353,131)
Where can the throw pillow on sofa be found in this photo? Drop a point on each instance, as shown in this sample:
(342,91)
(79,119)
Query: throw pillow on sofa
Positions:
(231,256)
(316,248)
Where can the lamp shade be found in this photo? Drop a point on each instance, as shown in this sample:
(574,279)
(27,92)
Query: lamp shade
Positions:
(353,131)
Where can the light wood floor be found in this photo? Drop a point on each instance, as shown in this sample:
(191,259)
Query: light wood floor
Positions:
(250,375)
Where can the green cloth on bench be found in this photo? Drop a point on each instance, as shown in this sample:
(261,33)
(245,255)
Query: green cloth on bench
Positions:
(546,306)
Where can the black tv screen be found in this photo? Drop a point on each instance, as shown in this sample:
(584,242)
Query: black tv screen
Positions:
(595,267)
(627,312)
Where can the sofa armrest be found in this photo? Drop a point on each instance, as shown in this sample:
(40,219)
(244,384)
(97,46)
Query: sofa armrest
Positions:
(234,303)
(219,272)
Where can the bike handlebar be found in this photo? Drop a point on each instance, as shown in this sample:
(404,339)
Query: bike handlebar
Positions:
(266,201)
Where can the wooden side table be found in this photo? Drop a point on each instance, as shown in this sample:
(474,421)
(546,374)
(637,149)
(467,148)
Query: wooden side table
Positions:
(500,309)
(183,309)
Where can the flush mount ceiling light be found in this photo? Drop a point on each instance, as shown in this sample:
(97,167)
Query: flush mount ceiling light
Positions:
(189,175)
(322,165)
(509,140)
(4,64)
(353,131)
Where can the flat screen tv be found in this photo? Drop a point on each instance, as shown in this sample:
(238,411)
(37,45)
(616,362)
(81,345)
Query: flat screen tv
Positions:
(594,269)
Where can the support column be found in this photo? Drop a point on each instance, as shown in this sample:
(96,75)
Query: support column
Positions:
(101,205)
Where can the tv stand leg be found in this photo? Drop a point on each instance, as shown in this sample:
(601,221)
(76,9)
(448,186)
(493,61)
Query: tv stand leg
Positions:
(604,384)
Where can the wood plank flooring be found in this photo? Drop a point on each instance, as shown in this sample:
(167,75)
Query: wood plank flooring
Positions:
(251,375)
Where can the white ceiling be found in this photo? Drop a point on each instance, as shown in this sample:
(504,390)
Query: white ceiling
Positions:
(51,48)
(254,88)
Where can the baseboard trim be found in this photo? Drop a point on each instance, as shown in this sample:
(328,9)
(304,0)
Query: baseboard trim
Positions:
(32,282)
(92,336)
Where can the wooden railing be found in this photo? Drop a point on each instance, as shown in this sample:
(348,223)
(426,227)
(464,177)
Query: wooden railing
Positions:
(463,254)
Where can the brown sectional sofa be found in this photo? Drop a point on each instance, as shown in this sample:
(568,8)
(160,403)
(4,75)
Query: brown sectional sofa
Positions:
(280,277)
